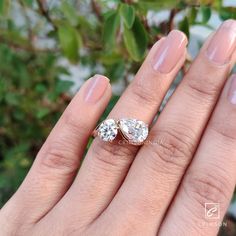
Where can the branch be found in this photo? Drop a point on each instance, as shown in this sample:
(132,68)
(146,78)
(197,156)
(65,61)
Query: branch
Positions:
(171,19)
(27,19)
(28,48)
(128,1)
(96,9)
(44,11)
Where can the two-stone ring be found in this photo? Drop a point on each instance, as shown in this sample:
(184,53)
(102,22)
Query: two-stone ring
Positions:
(132,130)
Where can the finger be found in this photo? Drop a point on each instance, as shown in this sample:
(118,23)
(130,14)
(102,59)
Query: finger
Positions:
(211,177)
(106,164)
(57,162)
(158,168)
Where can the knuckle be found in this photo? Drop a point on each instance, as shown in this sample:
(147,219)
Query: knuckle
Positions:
(207,187)
(74,125)
(171,149)
(143,93)
(59,157)
(201,89)
(112,155)
(12,223)
(225,132)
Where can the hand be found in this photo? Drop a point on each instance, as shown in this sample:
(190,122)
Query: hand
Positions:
(159,188)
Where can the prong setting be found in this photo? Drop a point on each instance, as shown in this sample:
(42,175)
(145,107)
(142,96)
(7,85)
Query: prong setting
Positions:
(107,130)
(134,131)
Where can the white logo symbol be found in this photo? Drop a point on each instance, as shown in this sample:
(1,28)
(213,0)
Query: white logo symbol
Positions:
(212,211)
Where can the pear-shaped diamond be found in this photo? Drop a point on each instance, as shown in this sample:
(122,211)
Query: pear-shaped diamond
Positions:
(108,130)
(135,131)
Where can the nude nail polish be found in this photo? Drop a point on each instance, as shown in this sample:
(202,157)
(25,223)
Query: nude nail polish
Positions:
(96,88)
(232,90)
(170,52)
(223,43)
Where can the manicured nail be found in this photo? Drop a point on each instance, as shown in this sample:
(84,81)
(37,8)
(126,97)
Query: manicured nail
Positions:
(170,52)
(96,88)
(223,43)
(232,90)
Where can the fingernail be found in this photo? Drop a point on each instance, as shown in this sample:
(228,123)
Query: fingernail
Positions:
(96,88)
(170,52)
(232,90)
(223,43)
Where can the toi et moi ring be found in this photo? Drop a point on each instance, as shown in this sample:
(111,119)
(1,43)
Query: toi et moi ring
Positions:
(132,130)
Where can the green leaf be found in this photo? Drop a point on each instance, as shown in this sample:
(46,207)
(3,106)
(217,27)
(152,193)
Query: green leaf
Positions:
(29,2)
(192,15)
(70,42)
(127,13)
(116,71)
(4,6)
(206,13)
(63,86)
(1,6)
(12,99)
(136,40)
(109,59)
(155,5)
(42,112)
(227,13)
(184,26)
(70,13)
(111,25)
(40,88)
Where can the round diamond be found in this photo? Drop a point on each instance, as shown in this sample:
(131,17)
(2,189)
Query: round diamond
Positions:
(108,130)
(135,131)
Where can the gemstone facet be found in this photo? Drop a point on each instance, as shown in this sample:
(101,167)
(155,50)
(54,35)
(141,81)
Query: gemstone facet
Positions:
(108,130)
(135,131)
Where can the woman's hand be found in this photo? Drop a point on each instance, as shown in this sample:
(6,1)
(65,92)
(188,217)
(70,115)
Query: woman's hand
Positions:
(165,187)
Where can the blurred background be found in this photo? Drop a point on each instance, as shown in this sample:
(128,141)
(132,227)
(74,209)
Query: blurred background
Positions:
(49,48)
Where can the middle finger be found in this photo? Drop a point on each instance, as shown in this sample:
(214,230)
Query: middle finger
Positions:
(106,164)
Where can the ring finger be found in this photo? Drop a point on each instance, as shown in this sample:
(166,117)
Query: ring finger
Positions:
(106,164)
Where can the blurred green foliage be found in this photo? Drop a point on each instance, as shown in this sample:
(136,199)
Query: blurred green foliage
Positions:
(110,34)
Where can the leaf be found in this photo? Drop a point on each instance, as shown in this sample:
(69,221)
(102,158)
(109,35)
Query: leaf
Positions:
(227,13)
(63,86)
(40,88)
(1,6)
(4,7)
(12,99)
(184,26)
(70,13)
(109,59)
(136,40)
(111,25)
(127,13)
(206,13)
(70,42)
(116,71)
(146,5)
(42,112)
(192,15)
(29,2)
(18,114)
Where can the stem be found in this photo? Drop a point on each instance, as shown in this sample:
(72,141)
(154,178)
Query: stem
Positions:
(96,9)
(171,19)
(44,11)
(27,19)
(128,1)
(28,48)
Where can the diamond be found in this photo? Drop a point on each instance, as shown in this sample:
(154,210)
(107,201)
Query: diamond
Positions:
(135,131)
(108,130)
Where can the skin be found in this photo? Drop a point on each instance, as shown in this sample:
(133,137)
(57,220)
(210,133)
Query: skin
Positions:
(159,188)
